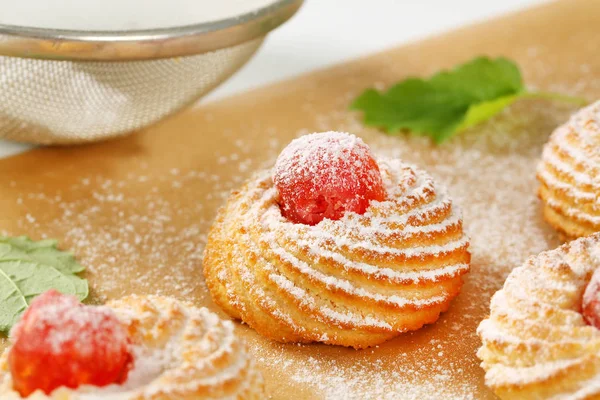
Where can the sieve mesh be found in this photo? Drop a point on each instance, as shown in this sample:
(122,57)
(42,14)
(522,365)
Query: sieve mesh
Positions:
(62,102)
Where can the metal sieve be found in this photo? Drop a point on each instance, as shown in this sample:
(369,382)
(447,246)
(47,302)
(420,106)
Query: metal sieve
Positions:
(61,87)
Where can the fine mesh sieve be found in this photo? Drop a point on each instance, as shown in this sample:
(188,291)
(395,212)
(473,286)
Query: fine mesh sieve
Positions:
(80,88)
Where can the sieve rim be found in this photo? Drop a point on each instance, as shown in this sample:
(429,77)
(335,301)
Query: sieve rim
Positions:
(147,44)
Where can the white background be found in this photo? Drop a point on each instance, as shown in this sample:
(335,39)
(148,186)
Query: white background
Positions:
(325,32)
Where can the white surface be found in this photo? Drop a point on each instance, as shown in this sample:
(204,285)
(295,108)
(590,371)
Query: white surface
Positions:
(121,14)
(325,32)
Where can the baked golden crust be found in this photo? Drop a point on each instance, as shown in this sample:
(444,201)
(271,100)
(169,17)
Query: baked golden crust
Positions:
(181,352)
(569,173)
(357,282)
(536,344)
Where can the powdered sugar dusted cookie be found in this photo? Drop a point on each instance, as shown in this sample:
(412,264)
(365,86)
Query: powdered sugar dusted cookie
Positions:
(353,278)
(169,350)
(569,174)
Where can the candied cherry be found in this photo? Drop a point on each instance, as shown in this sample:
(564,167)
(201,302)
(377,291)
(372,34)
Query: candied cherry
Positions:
(590,305)
(61,342)
(325,175)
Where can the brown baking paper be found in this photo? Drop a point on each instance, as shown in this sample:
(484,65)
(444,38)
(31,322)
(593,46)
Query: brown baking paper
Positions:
(136,210)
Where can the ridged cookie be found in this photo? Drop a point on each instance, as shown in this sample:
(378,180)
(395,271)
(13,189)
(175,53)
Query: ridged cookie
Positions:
(357,281)
(536,344)
(569,173)
(180,353)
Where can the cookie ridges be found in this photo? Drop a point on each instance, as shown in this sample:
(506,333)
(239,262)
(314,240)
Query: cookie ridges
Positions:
(536,344)
(357,281)
(569,175)
(180,351)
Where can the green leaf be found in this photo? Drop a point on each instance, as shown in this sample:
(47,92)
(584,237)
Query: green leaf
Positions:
(448,102)
(28,269)
(480,112)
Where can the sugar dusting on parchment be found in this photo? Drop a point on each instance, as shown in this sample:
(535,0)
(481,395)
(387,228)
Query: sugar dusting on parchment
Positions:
(490,174)
(137,229)
(489,171)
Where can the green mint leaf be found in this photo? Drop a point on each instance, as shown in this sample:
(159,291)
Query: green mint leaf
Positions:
(448,102)
(480,112)
(28,269)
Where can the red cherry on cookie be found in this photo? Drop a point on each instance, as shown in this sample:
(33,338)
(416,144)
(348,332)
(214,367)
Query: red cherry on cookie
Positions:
(325,175)
(61,342)
(590,305)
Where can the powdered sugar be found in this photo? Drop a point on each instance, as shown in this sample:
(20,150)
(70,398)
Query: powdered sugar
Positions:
(537,314)
(178,350)
(325,175)
(164,213)
(489,172)
(321,269)
(570,173)
(66,322)
(326,148)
